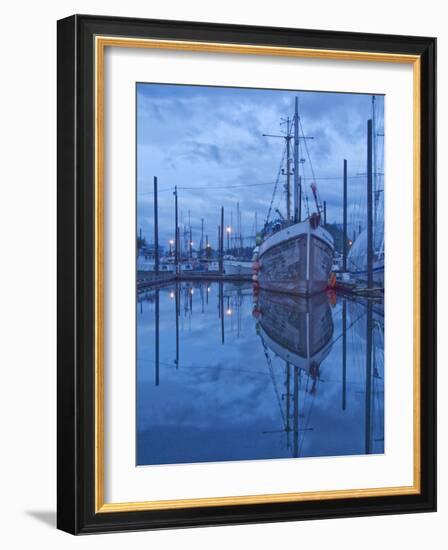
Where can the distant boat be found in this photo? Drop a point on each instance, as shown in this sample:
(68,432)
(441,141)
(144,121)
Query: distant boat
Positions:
(337,263)
(212,266)
(237,267)
(145,264)
(295,256)
(357,258)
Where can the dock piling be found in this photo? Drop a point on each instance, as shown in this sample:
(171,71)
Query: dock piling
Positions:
(156,229)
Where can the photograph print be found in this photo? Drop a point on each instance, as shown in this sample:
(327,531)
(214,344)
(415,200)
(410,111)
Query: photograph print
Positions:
(259,274)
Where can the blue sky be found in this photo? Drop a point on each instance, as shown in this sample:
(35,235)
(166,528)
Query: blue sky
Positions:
(209,140)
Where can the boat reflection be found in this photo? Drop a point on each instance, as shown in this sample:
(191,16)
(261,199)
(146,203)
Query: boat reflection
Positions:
(226,374)
(295,328)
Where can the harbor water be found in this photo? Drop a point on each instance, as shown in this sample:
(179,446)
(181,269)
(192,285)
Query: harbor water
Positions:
(225,374)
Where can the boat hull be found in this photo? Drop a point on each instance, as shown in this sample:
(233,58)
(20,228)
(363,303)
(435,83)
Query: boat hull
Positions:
(296,260)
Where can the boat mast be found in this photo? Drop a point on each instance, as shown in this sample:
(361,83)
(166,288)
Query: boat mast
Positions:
(374,172)
(297,162)
(344,218)
(221,242)
(375,190)
(287,137)
(176,231)
(297,186)
(369,207)
(238,229)
(288,169)
(156,229)
(201,246)
(190,238)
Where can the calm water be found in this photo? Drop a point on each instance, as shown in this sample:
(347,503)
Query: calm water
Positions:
(223,375)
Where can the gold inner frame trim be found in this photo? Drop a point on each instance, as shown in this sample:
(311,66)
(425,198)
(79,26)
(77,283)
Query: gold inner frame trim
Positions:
(101,42)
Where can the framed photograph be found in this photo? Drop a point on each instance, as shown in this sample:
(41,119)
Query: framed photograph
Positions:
(246,274)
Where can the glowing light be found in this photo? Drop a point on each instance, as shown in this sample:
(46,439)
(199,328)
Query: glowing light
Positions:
(191,290)
(228,229)
(209,289)
(172,295)
(229,312)
(171,241)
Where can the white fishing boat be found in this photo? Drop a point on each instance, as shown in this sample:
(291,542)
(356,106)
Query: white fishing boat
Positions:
(296,259)
(295,256)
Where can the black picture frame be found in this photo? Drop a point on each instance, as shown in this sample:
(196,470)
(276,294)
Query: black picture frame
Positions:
(76,286)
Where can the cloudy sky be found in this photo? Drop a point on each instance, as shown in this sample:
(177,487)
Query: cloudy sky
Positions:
(208,141)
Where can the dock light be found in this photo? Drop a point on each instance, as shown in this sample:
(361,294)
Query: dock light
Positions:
(191,290)
(171,241)
(172,295)
(191,243)
(209,245)
(350,243)
(228,229)
(229,312)
(209,289)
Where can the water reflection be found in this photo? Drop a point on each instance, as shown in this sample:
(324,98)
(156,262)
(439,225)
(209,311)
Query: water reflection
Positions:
(226,375)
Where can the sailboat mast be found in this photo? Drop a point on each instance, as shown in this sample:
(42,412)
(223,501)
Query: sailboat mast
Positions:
(201,246)
(288,169)
(369,207)
(176,231)
(297,191)
(156,229)
(375,190)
